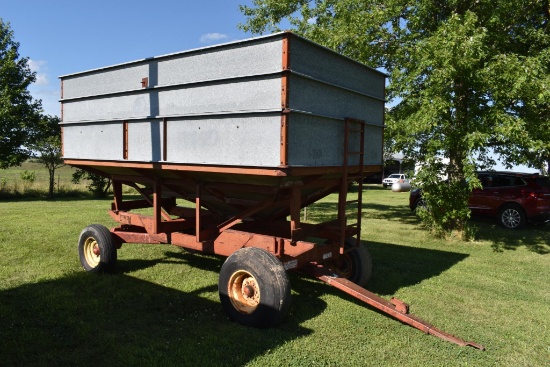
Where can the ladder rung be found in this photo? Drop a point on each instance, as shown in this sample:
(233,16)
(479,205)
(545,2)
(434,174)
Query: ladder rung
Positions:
(356,131)
(356,153)
(352,201)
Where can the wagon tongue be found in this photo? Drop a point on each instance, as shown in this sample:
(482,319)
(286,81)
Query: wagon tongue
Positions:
(395,307)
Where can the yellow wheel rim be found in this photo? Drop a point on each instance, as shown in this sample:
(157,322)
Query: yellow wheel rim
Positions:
(91,252)
(244,292)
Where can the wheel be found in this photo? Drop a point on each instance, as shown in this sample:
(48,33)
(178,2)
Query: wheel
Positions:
(254,288)
(384,185)
(354,265)
(96,249)
(512,216)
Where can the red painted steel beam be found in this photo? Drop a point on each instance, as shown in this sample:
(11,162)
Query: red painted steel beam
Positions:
(395,308)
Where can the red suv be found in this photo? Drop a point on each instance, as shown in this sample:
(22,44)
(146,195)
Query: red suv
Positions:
(513,198)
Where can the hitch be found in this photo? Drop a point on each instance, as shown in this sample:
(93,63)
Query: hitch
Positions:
(395,307)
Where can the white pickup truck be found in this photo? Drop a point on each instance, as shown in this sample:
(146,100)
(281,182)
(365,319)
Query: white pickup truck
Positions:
(393,178)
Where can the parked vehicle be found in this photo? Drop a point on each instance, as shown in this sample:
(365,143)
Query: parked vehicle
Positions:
(393,178)
(513,198)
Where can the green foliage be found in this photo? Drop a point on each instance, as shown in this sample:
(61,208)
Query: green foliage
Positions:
(445,206)
(19,112)
(466,77)
(98,185)
(47,144)
(27,176)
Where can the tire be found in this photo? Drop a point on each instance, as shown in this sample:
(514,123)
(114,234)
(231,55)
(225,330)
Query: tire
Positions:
(512,216)
(354,265)
(419,204)
(254,288)
(97,250)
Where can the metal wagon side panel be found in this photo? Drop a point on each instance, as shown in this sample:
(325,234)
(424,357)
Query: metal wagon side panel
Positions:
(240,59)
(239,140)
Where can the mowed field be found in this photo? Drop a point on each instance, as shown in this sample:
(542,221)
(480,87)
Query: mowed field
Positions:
(161,307)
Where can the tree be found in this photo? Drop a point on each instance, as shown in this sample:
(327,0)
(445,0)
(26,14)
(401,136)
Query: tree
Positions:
(19,112)
(465,76)
(98,185)
(48,146)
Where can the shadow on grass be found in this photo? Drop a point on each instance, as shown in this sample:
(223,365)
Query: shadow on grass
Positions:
(87,319)
(323,212)
(535,237)
(395,266)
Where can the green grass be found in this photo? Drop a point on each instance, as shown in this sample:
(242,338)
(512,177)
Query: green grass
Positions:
(162,307)
(13,186)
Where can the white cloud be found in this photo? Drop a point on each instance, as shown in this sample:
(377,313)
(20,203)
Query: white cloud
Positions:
(42,79)
(212,37)
(36,65)
(39,67)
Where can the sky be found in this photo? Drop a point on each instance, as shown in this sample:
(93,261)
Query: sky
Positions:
(67,36)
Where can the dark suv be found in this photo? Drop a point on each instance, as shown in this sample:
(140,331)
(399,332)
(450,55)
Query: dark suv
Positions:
(513,198)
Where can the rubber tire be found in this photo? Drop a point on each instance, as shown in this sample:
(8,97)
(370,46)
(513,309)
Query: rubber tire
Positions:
(272,282)
(419,203)
(512,216)
(361,263)
(106,262)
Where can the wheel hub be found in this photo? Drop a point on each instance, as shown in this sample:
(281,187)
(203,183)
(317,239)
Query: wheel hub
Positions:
(244,292)
(91,251)
(511,218)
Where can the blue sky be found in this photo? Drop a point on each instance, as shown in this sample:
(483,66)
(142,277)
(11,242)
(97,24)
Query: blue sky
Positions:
(63,36)
(67,36)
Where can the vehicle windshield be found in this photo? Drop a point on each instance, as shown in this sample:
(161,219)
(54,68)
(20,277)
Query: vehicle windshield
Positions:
(395,175)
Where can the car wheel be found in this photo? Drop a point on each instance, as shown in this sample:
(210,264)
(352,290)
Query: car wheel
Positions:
(420,203)
(512,216)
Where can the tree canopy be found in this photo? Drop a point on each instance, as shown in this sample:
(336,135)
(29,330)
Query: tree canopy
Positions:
(19,112)
(466,77)
(47,145)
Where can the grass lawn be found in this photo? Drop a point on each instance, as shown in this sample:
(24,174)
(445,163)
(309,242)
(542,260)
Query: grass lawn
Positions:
(162,306)
(11,182)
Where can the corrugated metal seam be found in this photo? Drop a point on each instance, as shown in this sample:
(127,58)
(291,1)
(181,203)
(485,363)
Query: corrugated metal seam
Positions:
(194,116)
(214,114)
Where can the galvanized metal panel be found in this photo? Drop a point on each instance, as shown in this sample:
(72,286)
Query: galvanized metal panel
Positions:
(315,141)
(253,94)
(374,136)
(319,141)
(242,140)
(323,64)
(145,141)
(223,105)
(255,57)
(93,141)
(123,78)
(327,100)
